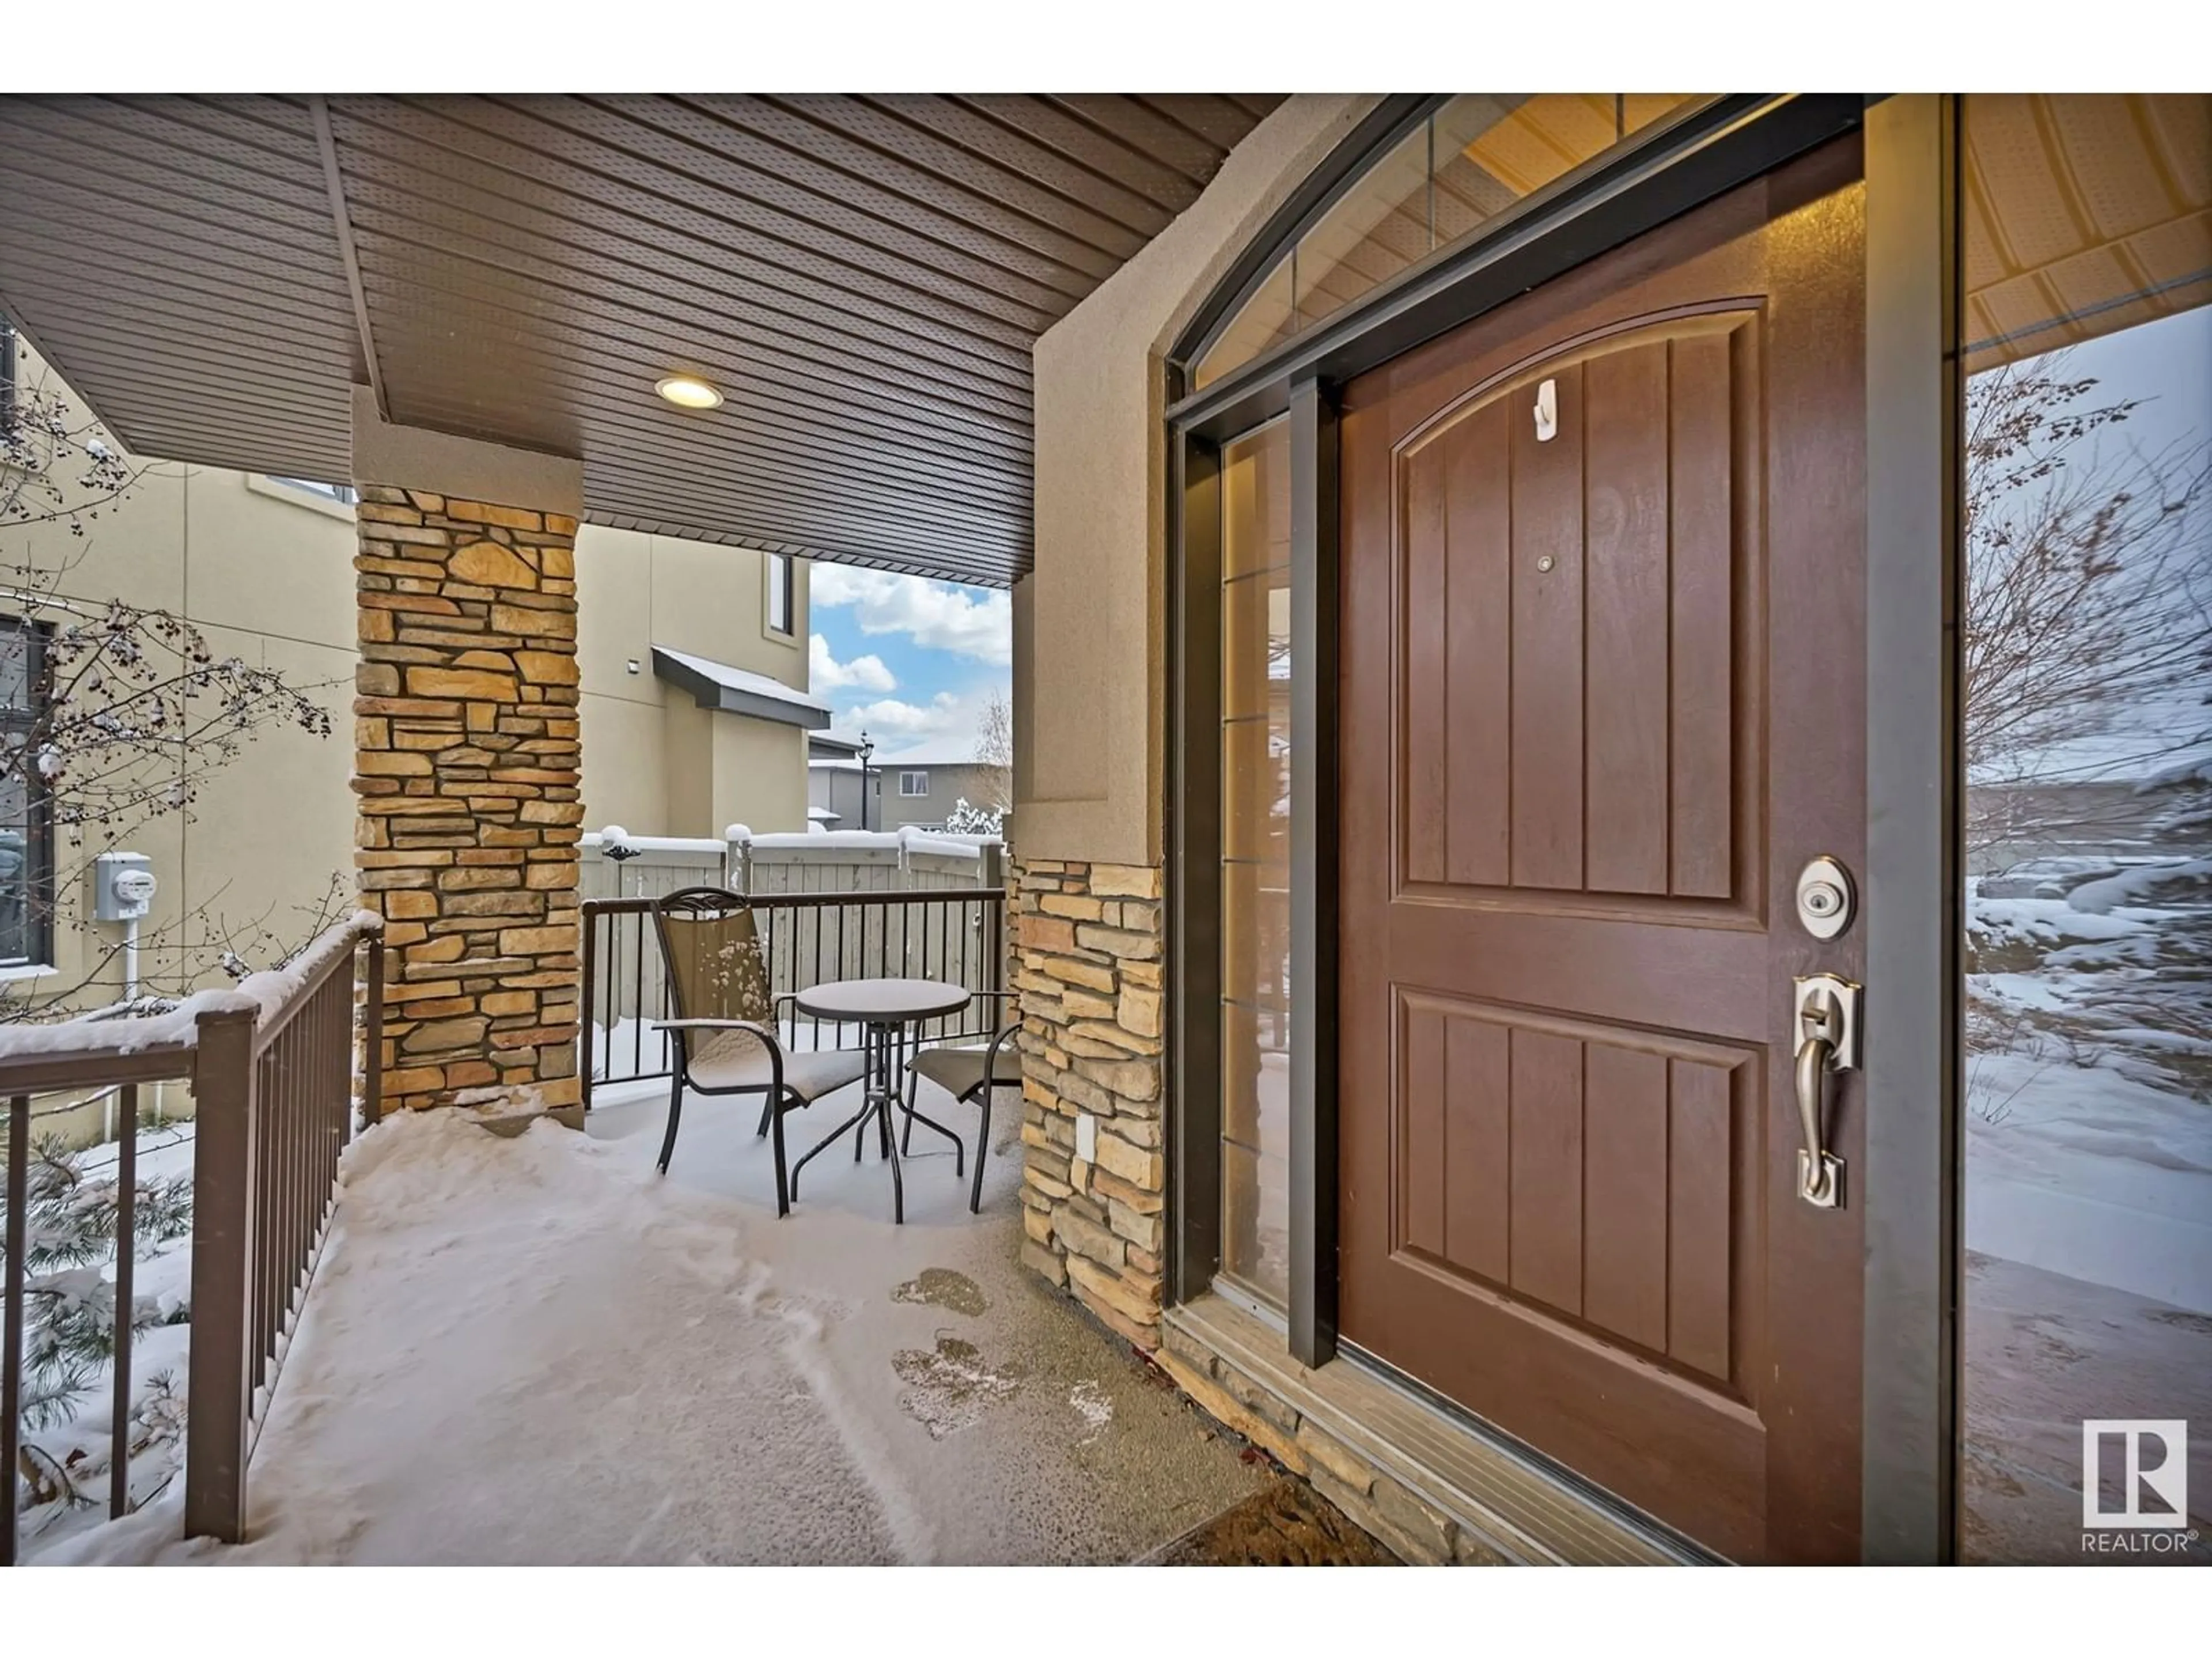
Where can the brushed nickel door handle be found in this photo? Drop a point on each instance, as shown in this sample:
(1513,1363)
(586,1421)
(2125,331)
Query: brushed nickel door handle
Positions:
(1827,1024)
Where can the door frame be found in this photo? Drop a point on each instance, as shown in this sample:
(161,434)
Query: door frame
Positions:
(1911,881)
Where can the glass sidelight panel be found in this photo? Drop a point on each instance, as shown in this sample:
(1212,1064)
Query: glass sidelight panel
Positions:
(2087,669)
(1255,782)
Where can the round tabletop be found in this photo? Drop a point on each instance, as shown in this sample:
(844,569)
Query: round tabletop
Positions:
(882,1001)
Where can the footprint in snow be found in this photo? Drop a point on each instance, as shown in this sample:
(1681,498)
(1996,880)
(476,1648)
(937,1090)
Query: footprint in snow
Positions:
(949,1387)
(941,1287)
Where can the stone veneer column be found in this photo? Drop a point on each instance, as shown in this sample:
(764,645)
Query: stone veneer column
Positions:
(467,767)
(1088,939)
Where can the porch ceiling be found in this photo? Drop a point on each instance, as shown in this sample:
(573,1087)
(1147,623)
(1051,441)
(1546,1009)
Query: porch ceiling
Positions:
(863,278)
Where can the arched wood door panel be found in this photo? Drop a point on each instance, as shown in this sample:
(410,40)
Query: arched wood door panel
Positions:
(1603,688)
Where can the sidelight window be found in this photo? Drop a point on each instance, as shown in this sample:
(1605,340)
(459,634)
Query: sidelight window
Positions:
(1256,862)
(2086,631)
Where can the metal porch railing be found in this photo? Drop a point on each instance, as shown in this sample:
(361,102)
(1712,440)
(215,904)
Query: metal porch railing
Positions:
(272,1069)
(956,934)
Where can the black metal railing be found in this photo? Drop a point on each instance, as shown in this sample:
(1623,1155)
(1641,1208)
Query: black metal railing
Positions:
(955,934)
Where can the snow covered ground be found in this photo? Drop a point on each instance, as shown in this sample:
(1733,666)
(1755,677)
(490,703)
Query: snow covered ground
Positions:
(2089,1180)
(79,1444)
(2089,1137)
(536,1350)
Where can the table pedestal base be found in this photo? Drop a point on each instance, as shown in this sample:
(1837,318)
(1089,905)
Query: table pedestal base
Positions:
(886,1054)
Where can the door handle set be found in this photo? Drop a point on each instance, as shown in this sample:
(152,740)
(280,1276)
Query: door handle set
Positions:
(1828,1043)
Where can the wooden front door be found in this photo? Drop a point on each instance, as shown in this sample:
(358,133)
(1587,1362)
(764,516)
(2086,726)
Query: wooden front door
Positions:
(1603,698)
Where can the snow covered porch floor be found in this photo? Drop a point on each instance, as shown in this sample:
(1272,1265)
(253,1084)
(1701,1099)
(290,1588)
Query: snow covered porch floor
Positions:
(536,1351)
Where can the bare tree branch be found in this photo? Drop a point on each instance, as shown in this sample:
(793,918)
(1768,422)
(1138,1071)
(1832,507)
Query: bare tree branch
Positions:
(115,713)
(2089,596)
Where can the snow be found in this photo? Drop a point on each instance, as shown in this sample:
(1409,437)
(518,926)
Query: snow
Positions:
(599,841)
(2091,1174)
(2138,882)
(945,846)
(876,841)
(535,1350)
(117,1032)
(907,836)
(743,679)
(162,1276)
(2088,1134)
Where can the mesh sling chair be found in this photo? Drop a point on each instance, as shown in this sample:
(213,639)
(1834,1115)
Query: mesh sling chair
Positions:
(970,1074)
(725,1023)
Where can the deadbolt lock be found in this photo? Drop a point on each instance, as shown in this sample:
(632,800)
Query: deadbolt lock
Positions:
(1826,899)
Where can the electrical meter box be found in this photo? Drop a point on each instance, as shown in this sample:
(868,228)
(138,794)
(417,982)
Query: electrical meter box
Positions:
(123,886)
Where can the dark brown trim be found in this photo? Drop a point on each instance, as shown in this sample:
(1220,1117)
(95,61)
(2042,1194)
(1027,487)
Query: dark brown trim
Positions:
(1703,154)
(1914,893)
(226,1215)
(1393,117)
(1314,605)
(1194,822)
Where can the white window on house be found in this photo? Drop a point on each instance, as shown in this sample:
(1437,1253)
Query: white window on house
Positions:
(914,783)
(336,492)
(26,846)
(779,592)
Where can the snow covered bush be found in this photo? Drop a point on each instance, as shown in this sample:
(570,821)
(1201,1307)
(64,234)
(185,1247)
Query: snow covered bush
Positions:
(966,820)
(70,1320)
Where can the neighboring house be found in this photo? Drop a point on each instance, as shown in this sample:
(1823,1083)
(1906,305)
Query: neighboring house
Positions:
(693,709)
(919,787)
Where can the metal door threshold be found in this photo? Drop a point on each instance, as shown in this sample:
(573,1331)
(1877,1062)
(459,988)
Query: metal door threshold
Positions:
(1498,1491)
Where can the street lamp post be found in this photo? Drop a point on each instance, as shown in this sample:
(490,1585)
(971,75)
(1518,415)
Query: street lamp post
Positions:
(867,748)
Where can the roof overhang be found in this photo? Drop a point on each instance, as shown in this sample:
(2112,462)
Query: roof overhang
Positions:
(862,279)
(731,690)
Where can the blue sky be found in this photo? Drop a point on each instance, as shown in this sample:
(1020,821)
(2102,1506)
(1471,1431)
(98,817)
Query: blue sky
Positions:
(912,660)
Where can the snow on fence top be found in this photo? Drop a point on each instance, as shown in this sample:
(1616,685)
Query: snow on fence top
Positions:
(599,841)
(812,841)
(906,838)
(128,1029)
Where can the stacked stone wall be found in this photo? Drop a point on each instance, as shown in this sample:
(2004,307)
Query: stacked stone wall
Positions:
(466,767)
(1087,939)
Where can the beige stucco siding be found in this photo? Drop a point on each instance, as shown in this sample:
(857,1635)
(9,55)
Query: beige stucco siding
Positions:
(265,571)
(654,762)
(759,776)
(1090,641)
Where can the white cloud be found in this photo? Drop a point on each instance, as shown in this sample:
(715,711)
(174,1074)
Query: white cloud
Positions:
(826,674)
(889,717)
(970,622)
(950,718)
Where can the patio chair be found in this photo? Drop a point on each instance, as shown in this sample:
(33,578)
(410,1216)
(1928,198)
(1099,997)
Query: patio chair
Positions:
(969,1074)
(725,1023)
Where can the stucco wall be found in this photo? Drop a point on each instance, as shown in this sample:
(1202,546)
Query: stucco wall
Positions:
(1088,639)
(760,775)
(266,572)
(649,750)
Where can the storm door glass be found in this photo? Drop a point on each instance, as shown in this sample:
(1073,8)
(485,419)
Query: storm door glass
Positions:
(2086,1329)
(1256,862)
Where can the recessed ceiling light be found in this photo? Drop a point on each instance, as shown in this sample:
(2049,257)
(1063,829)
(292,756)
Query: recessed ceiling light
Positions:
(687,393)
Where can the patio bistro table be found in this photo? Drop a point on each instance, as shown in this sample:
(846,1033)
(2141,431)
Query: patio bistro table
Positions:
(886,1007)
